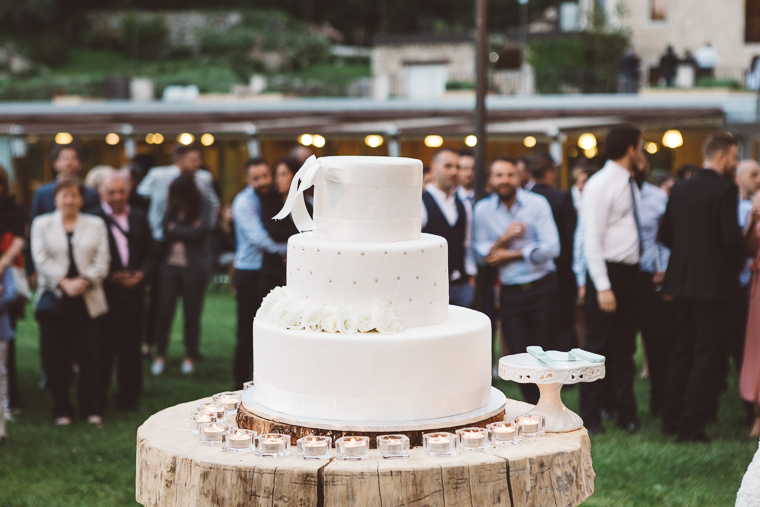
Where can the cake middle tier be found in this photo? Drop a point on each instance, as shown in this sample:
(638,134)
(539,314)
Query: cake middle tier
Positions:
(411,276)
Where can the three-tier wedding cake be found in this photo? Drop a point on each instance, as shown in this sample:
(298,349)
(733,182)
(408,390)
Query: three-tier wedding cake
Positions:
(363,331)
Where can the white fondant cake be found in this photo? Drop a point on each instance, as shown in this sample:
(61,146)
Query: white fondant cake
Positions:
(411,276)
(366,254)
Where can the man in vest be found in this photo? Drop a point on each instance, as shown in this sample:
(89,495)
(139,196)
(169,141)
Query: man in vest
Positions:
(444,214)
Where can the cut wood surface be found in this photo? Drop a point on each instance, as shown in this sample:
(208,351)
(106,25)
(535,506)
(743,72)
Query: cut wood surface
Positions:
(175,469)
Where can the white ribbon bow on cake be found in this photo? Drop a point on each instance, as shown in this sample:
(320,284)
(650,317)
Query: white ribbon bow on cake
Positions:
(310,173)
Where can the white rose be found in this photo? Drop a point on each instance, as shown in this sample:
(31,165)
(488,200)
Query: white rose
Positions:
(330,321)
(312,319)
(347,320)
(386,322)
(365,321)
(279,310)
(294,317)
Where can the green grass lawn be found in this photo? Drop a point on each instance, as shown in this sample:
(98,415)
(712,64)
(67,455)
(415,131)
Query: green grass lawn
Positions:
(41,465)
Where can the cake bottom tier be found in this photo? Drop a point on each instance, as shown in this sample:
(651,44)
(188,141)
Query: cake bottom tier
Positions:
(420,373)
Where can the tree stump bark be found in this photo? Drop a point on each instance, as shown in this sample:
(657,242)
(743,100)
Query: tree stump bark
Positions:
(175,470)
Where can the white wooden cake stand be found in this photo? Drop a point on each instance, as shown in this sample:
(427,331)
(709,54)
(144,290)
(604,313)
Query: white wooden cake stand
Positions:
(526,369)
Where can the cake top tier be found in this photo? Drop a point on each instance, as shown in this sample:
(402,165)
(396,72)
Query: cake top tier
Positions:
(375,199)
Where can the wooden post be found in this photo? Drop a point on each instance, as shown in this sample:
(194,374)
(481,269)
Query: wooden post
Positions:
(481,89)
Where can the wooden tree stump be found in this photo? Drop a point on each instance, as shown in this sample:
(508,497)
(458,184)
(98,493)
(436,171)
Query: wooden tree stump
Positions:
(175,470)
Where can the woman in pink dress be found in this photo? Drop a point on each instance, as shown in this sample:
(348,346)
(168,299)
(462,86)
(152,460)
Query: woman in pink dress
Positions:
(749,381)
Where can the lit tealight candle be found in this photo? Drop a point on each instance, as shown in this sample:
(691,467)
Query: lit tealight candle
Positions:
(273,444)
(473,438)
(532,425)
(439,443)
(393,446)
(352,447)
(313,447)
(198,418)
(213,433)
(239,440)
(230,400)
(505,433)
(217,410)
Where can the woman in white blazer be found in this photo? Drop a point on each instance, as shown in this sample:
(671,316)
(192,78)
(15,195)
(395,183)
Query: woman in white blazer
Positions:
(70,252)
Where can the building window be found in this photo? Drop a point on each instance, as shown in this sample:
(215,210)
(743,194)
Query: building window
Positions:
(752,17)
(658,10)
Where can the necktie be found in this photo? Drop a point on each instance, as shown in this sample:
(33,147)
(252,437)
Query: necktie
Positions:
(632,185)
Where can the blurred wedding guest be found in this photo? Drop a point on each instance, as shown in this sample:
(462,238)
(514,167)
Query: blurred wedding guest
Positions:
(155,187)
(12,234)
(273,265)
(612,247)
(655,317)
(70,251)
(184,268)
(121,329)
(253,242)
(96,175)
(514,230)
(749,377)
(444,214)
(669,66)
(7,335)
(579,176)
(664,182)
(300,153)
(466,188)
(544,172)
(136,174)
(223,242)
(701,229)
(707,61)
(526,180)
(630,72)
(66,162)
(686,172)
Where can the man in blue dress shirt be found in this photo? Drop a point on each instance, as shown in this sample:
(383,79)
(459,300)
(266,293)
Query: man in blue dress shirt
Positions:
(252,242)
(514,230)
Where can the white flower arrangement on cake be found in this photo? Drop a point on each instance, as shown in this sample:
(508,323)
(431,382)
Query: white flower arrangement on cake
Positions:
(279,309)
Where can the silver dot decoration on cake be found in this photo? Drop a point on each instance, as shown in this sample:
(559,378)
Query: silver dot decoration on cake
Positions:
(418,277)
(375,280)
(386,252)
(354,282)
(362,253)
(423,250)
(398,278)
(310,273)
(410,299)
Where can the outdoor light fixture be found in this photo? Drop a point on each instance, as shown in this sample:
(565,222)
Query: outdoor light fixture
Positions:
(306,139)
(207,139)
(63,138)
(470,141)
(587,141)
(373,141)
(590,153)
(185,138)
(529,142)
(112,139)
(433,141)
(318,141)
(493,57)
(652,148)
(672,139)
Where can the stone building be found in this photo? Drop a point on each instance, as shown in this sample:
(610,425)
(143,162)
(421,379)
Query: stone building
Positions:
(731,26)
(422,66)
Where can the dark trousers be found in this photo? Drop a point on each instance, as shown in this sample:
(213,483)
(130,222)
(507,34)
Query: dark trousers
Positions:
(696,365)
(528,315)
(185,282)
(566,306)
(249,296)
(613,335)
(72,337)
(154,301)
(120,336)
(656,323)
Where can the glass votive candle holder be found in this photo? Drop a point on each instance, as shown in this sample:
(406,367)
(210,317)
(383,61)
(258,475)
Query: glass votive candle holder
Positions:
(352,448)
(213,433)
(439,444)
(230,400)
(239,441)
(473,439)
(505,433)
(218,410)
(533,425)
(198,418)
(393,446)
(273,445)
(247,386)
(314,447)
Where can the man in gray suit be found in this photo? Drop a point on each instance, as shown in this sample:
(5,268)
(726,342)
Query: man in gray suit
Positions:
(155,186)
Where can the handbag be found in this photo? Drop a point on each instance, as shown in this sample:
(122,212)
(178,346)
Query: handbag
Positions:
(22,284)
(49,305)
